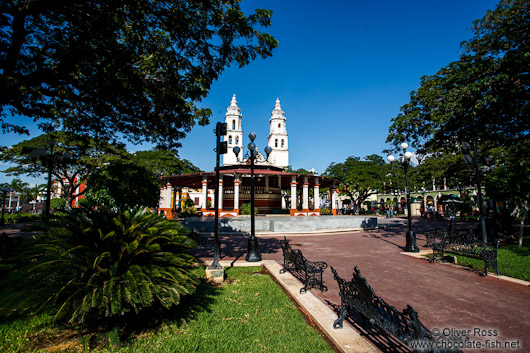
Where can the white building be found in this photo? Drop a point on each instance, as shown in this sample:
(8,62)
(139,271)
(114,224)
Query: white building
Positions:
(278,137)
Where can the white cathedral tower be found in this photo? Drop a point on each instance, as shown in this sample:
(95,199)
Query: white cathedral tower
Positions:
(234,135)
(278,137)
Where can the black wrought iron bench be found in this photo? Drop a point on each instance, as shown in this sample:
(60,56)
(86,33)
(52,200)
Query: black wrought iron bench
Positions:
(466,244)
(311,272)
(358,297)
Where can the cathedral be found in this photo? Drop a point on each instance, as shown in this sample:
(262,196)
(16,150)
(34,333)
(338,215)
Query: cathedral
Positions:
(274,185)
(278,138)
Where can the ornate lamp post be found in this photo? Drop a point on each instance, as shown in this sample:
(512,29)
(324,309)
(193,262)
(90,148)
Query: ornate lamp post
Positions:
(49,158)
(253,254)
(411,245)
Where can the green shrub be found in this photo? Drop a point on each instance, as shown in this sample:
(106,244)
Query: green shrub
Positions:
(189,208)
(20,217)
(325,211)
(99,268)
(57,203)
(245,209)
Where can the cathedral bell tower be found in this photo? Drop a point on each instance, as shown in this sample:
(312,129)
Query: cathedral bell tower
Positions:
(234,135)
(278,137)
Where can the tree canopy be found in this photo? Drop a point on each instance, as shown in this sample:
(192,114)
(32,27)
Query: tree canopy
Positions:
(164,162)
(359,178)
(87,155)
(482,97)
(112,69)
(124,185)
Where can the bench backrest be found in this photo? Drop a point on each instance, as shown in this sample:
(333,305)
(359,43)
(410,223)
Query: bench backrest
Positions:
(358,294)
(293,256)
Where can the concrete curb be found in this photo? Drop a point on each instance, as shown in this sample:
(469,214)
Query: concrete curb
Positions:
(347,340)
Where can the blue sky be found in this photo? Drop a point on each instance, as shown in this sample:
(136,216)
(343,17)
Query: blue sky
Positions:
(342,71)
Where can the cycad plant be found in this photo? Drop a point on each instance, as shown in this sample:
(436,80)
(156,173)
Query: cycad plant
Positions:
(100,268)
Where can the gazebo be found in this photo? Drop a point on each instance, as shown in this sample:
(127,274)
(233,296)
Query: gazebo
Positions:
(234,191)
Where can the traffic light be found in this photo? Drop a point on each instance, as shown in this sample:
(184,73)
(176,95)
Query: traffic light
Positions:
(223,147)
(221,129)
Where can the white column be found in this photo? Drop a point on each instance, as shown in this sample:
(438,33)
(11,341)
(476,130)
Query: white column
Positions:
(333,198)
(162,196)
(220,193)
(166,196)
(293,192)
(236,192)
(316,195)
(305,194)
(169,190)
(204,193)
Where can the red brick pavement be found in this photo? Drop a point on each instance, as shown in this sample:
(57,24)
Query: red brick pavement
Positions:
(445,296)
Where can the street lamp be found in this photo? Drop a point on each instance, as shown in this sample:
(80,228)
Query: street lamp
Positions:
(4,189)
(253,254)
(49,159)
(411,245)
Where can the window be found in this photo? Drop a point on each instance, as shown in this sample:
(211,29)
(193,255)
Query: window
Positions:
(276,143)
(196,201)
(279,126)
(233,124)
(283,143)
(230,139)
(237,140)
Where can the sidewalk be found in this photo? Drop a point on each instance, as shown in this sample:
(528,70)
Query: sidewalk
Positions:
(445,297)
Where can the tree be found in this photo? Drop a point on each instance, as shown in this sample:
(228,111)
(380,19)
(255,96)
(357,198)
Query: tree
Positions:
(123,185)
(482,97)
(87,155)
(108,69)
(508,181)
(164,162)
(359,179)
(36,191)
(19,187)
(442,167)
(102,269)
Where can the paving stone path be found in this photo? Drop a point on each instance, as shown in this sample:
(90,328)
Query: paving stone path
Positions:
(446,297)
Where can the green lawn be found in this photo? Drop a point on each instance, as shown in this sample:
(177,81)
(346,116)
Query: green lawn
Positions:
(248,313)
(512,260)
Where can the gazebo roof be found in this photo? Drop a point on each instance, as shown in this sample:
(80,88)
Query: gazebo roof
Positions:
(228,173)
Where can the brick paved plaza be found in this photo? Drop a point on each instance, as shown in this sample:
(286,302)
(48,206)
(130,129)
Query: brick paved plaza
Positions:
(445,296)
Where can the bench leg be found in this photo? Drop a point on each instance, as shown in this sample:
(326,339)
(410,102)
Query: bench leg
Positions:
(284,269)
(306,283)
(342,315)
(323,288)
(490,260)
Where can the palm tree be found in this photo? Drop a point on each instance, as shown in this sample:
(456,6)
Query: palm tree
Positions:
(17,186)
(35,192)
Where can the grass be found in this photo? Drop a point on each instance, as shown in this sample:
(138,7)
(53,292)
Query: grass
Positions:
(248,313)
(512,260)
